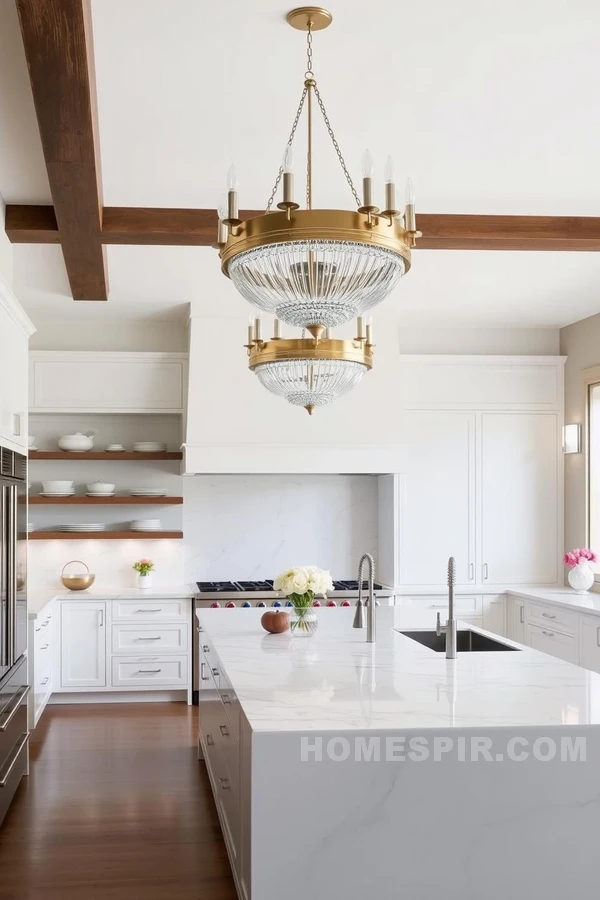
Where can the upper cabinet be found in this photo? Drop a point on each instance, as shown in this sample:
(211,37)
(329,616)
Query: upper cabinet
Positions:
(107,382)
(15,330)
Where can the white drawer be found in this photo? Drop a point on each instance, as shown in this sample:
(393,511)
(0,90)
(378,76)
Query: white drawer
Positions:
(553,642)
(144,638)
(553,617)
(469,604)
(160,671)
(151,610)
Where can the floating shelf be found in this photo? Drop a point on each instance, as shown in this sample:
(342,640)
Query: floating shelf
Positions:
(105,535)
(105,501)
(103,454)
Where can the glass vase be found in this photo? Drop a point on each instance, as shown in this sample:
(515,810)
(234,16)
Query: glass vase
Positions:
(303,621)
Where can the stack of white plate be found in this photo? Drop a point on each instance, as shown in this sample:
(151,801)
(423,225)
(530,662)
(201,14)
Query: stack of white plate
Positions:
(57,493)
(148,492)
(100,494)
(146,525)
(90,526)
(149,447)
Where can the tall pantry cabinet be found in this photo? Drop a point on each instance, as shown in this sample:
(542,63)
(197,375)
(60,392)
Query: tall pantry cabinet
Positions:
(481,477)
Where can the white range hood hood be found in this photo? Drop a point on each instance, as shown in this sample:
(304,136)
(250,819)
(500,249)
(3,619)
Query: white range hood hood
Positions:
(234,425)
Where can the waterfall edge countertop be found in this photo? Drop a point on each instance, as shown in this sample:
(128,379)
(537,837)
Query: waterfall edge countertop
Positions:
(336,681)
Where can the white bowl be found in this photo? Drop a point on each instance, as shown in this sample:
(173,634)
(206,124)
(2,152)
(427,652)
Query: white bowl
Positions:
(77,443)
(100,487)
(57,487)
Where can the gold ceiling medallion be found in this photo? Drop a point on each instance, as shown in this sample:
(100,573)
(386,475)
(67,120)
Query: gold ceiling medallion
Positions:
(315,269)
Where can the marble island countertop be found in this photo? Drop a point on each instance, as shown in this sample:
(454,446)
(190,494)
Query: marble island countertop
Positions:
(336,681)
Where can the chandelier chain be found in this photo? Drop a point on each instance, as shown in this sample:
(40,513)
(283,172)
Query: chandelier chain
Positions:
(309,52)
(336,145)
(289,143)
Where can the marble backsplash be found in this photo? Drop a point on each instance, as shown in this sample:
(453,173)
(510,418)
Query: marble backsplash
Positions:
(255,526)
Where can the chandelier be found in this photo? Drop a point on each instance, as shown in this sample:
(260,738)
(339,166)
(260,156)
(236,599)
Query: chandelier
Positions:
(315,269)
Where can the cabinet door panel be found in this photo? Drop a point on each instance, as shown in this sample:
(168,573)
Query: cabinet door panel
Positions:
(553,642)
(590,643)
(519,498)
(494,614)
(516,619)
(83,644)
(437,498)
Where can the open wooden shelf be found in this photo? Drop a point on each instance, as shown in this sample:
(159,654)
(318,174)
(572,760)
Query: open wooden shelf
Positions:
(103,454)
(104,501)
(105,535)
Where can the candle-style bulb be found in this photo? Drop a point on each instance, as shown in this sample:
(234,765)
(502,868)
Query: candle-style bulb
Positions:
(389,170)
(232,182)
(410,192)
(222,208)
(288,160)
(368,165)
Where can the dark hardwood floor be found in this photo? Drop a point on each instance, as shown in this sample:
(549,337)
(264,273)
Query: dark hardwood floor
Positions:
(117,807)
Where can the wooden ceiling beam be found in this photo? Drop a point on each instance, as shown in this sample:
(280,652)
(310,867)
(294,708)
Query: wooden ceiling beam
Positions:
(197,228)
(58,48)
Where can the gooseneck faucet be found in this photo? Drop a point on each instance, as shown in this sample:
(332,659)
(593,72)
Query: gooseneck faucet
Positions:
(359,618)
(449,629)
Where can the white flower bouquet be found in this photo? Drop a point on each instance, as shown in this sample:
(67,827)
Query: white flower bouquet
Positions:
(300,585)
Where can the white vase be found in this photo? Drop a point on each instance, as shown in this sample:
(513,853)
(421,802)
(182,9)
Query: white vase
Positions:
(144,582)
(581,577)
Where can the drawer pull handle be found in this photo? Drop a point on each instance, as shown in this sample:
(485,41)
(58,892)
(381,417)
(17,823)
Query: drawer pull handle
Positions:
(39,629)
(548,633)
(101,612)
(149,610)
(225,784)
(486,571)
(215,673)
(210,740)
(522,615)
(11,713)
(149,639)
(547,616)
(46,679)
(22,742)
(598,636)
(225,698)
(205,648)
(44,646)
(471,572)
(224,730)
(202,675)
(149,671)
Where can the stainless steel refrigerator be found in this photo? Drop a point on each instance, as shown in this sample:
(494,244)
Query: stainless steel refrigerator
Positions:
(14,735)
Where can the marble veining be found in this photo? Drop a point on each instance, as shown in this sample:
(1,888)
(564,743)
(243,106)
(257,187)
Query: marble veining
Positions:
(336,681)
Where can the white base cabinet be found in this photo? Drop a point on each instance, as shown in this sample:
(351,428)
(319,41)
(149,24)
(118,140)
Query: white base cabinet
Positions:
(41,651)
(589,646)
(82,644)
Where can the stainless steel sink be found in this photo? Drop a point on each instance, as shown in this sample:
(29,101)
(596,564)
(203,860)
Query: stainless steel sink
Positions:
(466,641)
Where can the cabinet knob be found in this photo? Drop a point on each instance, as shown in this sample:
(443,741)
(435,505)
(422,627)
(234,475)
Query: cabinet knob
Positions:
(224,730)
(225,698)
(225,784)
(210,740)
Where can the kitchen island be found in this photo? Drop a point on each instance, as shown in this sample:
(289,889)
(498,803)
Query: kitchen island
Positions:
(346,770)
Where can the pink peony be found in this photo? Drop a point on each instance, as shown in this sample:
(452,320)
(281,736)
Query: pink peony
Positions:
(578,555)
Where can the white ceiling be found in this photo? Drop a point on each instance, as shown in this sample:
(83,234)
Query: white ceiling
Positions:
(491,108)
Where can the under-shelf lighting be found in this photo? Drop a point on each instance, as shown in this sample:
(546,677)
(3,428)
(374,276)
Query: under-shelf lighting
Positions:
(571,438)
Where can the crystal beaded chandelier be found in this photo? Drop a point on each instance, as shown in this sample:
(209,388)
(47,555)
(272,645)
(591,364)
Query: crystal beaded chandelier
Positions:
(315,268)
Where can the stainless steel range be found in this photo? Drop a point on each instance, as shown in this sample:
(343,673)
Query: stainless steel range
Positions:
(247,594)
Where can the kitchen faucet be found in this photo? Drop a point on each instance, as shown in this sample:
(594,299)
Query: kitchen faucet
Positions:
(449,629)
(359,618)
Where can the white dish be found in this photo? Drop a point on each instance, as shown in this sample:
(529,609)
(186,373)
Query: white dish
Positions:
(100,487)
(78,442)
(115,448)
(57,493)
(161,492)
(34,448)
(145,530)
(52,487)
(156,447)
(82,528)
(100,494)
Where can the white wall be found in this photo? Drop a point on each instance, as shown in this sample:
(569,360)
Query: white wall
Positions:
(109,334)
(255,526)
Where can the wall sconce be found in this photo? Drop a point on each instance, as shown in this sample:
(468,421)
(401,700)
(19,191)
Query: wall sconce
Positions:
(571,438)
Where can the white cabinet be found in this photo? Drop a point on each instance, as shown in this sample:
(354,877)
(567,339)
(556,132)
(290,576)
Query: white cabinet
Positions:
(107,382)
(516,619)
(83,644)
(15,329)
(552,642)
(519,498)
(494,613)
(41,648)
(437,498)
(589,646)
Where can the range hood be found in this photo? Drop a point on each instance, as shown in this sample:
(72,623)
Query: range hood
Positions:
(234,426)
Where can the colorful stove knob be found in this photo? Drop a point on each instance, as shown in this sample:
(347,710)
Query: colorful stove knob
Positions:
(230,605)
(215,605)
(276,603)
(316,602)
(332,603)
(246,604)
(345,603)
(289,603)
(261,603)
